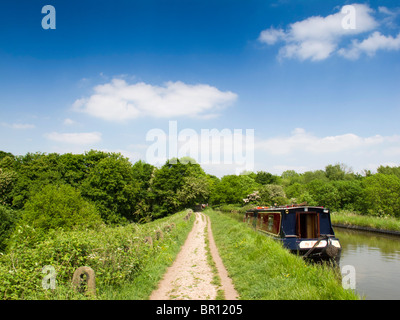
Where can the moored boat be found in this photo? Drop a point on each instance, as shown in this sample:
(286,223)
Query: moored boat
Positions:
(304,230)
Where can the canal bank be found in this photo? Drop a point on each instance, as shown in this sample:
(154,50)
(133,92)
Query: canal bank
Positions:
(261,269)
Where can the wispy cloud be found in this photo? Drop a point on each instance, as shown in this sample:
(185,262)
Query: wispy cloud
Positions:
(371,45)
(119,101)
(302,151)
(302,141)
(69,122)
(75,138)
(18,126)
(317,38)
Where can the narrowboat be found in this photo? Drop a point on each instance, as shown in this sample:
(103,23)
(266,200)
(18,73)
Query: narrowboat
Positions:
(303,230)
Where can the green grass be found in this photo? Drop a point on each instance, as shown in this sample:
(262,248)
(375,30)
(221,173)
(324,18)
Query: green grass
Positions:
(351,218)
(261,269)
(141,287)
(216,278)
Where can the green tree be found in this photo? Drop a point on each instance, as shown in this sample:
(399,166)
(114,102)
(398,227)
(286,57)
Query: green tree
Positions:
(290,177)
(350,194)
(232,189)
(59,206)
(340,171)
(143,174)
(294,190)
(34,170)
(195,190)
(310,176)
(5,154)
(263,178)
(172,183)
(271,194)
(7,180)
(324,194)
(73,168)
(8,220)
(111,186)
(381,195)
(389,170)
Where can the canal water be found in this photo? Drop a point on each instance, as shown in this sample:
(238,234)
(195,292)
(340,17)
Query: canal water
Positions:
(376,261)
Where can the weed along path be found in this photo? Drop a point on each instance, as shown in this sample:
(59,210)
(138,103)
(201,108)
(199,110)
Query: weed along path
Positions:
(191,277)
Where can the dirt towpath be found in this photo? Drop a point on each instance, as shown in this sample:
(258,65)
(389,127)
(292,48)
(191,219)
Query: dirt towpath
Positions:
(190,276)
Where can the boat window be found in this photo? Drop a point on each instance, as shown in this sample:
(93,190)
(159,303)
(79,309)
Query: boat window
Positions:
(269,222)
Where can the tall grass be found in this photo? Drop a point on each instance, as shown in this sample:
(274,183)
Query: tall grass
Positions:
(261,269)
(351,218)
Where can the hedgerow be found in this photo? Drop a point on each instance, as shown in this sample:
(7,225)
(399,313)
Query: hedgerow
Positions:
(116,254)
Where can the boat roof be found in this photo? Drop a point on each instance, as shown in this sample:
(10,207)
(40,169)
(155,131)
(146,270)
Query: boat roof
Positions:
(288,207)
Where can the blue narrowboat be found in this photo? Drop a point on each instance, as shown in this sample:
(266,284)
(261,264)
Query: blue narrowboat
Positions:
(304,230)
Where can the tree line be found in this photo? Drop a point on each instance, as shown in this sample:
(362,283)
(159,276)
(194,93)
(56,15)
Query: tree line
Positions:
(49,191)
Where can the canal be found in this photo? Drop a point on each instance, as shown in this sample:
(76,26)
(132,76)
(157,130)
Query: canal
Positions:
(376,261)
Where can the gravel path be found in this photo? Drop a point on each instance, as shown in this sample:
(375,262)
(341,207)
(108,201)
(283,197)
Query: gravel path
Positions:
(190,276)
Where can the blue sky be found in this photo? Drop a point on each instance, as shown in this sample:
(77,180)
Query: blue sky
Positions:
(314,90)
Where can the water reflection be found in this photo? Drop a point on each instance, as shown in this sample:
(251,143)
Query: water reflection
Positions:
(376,259)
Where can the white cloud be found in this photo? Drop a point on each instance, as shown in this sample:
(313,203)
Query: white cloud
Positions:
(373,43)
(302,141)
(390,16)
(303,151)
(75,138)
(271,36)
(119,101)
(18,126)
(69,122)
(317,38)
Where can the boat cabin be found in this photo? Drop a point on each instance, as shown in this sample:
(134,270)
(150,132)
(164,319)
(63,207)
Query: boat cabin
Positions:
(305,230)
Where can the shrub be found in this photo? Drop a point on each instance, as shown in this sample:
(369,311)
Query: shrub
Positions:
(59,207)
(116,254)
(8,220)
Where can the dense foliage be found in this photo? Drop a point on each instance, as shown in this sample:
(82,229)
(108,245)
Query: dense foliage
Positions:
(117,254)
(50,191)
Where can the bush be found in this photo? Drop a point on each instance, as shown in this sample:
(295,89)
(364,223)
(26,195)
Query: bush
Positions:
(8,220)
(116,254)
(59,207)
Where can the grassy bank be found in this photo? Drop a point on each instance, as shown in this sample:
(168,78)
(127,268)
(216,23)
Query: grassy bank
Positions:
(352,219)
(141,287)
(261,269)
(126,265)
